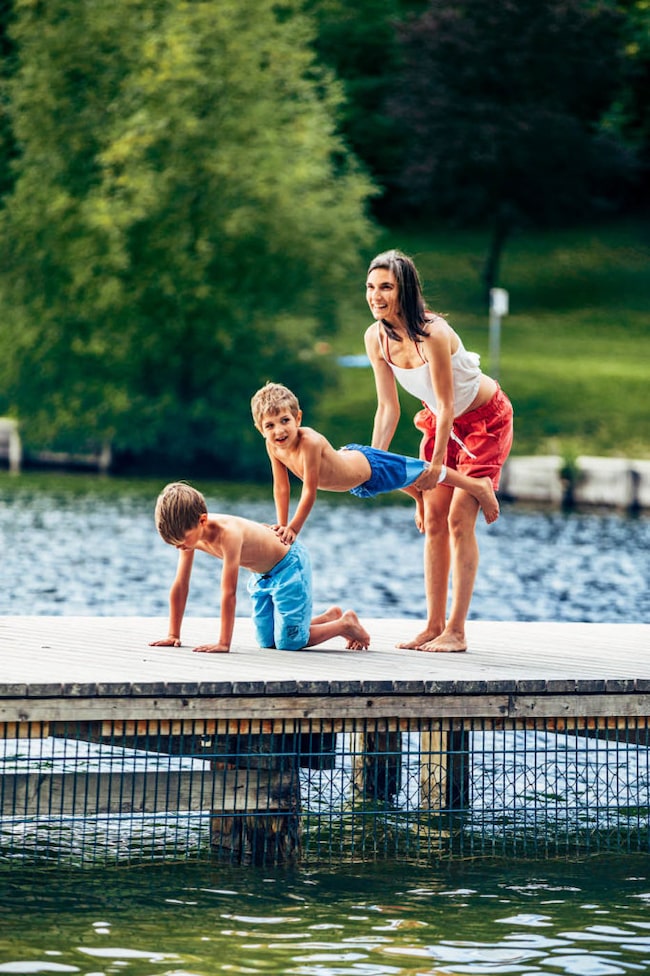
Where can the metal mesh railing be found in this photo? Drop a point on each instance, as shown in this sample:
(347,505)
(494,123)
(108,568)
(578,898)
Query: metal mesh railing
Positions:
(340,790)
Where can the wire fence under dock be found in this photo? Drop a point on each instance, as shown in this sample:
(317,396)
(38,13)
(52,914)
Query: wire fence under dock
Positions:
(322,790)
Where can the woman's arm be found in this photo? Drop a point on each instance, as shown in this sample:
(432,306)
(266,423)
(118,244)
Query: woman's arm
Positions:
(388,406)
(436,349)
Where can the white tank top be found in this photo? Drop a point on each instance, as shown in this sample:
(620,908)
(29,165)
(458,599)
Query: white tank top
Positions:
(466,374)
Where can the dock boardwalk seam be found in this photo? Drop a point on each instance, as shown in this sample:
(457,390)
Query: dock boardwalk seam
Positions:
(299,709)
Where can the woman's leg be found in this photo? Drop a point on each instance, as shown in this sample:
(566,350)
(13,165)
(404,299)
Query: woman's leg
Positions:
(436,563)
(464,562)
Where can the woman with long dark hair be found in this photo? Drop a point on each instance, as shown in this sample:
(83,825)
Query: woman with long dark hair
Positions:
(466,424)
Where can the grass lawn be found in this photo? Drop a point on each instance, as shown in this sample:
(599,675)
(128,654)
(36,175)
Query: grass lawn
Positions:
(575,346)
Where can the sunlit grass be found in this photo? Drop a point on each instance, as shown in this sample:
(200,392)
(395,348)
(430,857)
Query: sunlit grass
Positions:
(575,347)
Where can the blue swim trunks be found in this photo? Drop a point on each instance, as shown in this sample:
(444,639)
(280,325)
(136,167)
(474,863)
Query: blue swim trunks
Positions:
(390,472)
(282,601)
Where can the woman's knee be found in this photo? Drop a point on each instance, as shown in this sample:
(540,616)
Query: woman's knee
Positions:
(436,525)
(436,512)
(462,522)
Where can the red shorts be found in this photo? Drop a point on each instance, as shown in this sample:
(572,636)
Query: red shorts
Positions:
(485,432)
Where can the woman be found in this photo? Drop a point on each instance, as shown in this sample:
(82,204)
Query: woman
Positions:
(466,424)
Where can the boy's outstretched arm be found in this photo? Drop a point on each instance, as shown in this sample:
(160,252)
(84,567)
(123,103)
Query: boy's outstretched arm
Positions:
(281,490)
(311,459)
(233,540)
(177,600)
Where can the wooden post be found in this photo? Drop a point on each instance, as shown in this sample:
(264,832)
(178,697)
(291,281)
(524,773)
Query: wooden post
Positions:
(14,451)
(252,789)
(444,770)
(258,819)
(377,764)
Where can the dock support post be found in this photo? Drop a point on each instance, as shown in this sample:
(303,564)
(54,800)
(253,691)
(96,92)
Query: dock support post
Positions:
(258,821)
(444,770)
(378,764)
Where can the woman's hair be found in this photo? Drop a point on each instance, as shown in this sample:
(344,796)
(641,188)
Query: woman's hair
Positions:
(409,291)
(178,510)
(273,399)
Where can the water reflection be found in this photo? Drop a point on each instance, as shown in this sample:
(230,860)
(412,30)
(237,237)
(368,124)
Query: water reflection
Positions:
(587,919)
(80,546)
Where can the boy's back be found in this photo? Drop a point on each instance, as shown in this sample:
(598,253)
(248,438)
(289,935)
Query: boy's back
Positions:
(259,548)
(312,452)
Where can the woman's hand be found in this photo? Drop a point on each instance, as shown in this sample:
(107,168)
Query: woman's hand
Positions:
(429,478)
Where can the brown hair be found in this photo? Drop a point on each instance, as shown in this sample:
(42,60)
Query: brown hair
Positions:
(272,399)
(409,290)
(178,509)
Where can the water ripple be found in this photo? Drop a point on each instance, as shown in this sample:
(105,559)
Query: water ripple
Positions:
(90,552)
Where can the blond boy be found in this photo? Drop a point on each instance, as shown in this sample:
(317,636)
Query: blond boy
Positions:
(279,586)
(361,470)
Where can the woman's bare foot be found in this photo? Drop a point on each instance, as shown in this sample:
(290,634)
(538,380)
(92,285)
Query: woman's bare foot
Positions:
(487,499)
(422,638)
(333,613)
(449,642)
(358,639)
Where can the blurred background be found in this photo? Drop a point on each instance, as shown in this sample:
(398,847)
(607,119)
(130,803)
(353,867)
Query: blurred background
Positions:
(190,193)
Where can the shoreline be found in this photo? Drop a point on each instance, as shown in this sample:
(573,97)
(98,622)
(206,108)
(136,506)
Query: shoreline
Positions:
(611,482)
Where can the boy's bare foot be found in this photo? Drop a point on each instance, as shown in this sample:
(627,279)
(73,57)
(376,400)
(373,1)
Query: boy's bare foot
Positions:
(487,499)
(333,613)
(358,639)
(419,514)
(422,638)
(449,642)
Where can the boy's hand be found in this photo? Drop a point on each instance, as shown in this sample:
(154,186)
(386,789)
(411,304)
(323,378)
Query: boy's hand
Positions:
(285,534)
(166,642)
(213,649)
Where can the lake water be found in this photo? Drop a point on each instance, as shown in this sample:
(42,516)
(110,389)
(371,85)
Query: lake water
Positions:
(82,545)
(578,919)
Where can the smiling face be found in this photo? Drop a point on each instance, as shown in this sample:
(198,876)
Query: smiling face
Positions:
(382,295)
(281,429)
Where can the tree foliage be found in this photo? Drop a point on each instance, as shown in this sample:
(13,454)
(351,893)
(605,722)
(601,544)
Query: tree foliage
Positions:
(181,197)
(629,113)
(360,42)
(499,110)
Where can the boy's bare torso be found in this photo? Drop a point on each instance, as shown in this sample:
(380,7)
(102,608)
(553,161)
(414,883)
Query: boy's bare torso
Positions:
(259,547)
(338,470)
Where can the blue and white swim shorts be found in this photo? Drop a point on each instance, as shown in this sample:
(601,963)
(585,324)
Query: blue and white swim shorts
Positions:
(282,601)
(390,472)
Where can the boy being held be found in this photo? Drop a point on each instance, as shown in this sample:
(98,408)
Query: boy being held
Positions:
(280,584)
(363,471)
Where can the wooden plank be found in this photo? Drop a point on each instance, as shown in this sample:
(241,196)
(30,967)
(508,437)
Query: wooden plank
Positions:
(306,710)
(88,793)
(108,655)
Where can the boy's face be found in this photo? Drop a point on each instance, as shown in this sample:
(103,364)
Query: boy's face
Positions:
(193,536)
(280,429)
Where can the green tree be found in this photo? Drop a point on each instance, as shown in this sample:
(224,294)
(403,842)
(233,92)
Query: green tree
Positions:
(182,215)
(499,106)
(629,115)
(360,42)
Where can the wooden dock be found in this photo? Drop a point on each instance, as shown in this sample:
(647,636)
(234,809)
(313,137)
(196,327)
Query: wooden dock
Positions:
(44,660)
(243,725)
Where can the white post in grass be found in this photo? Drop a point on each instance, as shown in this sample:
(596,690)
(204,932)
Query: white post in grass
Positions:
(498,308)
